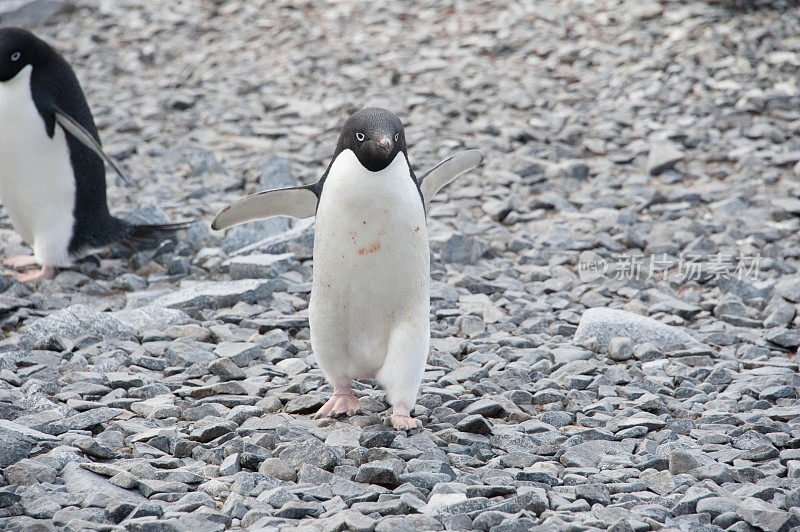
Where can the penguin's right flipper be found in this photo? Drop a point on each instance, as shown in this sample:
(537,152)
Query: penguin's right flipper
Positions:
(295,202)
(72,127)
(446,171)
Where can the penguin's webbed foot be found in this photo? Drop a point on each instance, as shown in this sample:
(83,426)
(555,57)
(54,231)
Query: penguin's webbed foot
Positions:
(21,261)
(339,405)
(402,422)
(45,272)
(401,418)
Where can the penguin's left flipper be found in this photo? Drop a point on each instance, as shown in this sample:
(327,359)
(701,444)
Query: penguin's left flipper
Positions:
(72,127)
(295,202)
(446,171)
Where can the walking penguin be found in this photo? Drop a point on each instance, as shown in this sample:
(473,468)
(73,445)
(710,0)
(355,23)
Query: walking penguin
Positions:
(369,312)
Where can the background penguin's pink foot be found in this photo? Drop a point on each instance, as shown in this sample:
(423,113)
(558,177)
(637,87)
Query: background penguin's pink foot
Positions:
(21,261)
(343,402)
(45,272)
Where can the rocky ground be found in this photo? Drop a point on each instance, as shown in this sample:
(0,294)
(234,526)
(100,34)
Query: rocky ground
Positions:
(641,161)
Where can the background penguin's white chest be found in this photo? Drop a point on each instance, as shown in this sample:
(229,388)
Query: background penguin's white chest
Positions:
(371,257)
(37,186)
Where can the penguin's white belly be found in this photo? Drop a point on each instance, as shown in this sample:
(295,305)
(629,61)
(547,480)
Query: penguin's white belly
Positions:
(371,268)
(37,186)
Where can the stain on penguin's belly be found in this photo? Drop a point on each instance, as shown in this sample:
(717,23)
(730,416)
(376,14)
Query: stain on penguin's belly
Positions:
(383,261)
(37,187)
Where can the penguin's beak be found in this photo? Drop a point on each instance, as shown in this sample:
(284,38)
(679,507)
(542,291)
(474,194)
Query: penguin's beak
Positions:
(386,143)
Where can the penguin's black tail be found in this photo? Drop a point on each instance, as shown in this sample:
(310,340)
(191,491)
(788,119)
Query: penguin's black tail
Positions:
(149,232)
(91,232)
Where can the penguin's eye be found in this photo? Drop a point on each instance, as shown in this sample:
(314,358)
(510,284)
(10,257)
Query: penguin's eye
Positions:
(360,137)
(15,56)
(396,137)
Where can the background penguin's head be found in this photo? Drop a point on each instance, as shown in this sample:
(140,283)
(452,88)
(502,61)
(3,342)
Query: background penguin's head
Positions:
(375,136)
(18,49)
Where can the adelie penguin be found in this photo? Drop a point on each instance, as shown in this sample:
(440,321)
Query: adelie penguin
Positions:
(52,177)
(370,297)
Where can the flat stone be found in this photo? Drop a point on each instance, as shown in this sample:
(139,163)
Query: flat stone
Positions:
(593,493)
(789,338)
(158,407)
(226,369)
(241,353)
(29,471)
(620,348)
(29,13)
(681,462)
(590,453)
(475,424)
(92,447)
(76,321)
(304,404)
(381,472)
(17,441)
(311,451)
(716,506)
(663,156)
(78,480)
(485,408)
(765,516)
(635,421)
(82,420)
(151,317)
(660,482)
(213,294)
(148,487)
(299,510)
(458,248)
(259,265)
(605,324)
(211,428)
(275,467)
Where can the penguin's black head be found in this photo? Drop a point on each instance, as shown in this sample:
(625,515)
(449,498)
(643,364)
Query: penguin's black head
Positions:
(18,49)
(375,136)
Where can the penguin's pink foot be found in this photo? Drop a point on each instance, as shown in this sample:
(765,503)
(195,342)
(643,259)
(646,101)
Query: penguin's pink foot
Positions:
(342,402)
(45,272)
(21,261)
(401,418)
(401,422)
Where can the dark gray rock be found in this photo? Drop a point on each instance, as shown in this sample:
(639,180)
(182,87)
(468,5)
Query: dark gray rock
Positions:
(17,441)
(716,506)
(381,472)
(593,493)
(789,338)
(312,452)
(458,248)
(681,462)
(474,423)
(765,516)
(211,428)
